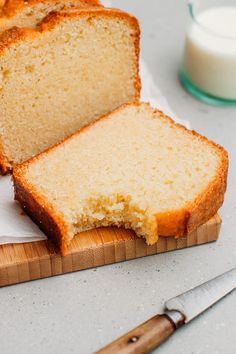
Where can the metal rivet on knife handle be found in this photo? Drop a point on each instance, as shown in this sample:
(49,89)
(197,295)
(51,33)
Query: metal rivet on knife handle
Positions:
(142,339)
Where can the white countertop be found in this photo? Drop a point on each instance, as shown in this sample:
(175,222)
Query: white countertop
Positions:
(83,311)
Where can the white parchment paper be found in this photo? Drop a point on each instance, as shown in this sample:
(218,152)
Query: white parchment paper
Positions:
(15,226)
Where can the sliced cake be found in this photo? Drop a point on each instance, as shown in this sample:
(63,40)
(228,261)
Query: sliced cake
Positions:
(133,168)
(21,13)
(75,66)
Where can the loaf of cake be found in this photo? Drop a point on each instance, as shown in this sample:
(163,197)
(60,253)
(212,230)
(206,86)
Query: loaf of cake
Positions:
(132,168)
(21,13)
(73,67)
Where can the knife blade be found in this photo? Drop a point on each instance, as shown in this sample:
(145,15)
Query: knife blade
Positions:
(178,311)
(197,300)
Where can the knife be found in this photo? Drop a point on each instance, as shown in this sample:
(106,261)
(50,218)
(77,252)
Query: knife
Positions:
(178,311)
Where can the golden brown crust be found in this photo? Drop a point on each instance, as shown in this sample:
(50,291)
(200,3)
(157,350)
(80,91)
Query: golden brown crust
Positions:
(40,212)
(15,35)
(170,223)
(12,7)
(5,166)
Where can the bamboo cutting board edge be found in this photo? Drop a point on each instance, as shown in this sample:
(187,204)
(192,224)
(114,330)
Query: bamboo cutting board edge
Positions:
(37,260)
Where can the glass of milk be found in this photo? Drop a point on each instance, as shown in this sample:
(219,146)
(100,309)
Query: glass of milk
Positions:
(209,65)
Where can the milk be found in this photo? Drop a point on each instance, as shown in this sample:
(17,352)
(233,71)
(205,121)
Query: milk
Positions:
(210,52)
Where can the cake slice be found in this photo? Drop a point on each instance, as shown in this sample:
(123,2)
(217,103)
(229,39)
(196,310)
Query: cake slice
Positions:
(75,66)
(21,13)
(133,168)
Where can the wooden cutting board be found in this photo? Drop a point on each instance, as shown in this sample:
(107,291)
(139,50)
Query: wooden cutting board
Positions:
(37,260)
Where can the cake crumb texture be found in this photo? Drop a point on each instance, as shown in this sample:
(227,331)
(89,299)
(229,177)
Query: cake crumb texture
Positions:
(75,66)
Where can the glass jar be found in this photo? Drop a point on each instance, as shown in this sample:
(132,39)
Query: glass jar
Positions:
(209,64)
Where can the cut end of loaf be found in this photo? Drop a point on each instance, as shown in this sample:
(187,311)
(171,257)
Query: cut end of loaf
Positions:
(88,65)
(27,14)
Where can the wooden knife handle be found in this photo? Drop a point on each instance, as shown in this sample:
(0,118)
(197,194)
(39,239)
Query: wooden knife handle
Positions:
(143,338)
